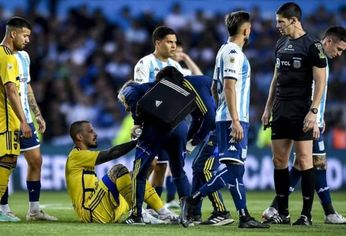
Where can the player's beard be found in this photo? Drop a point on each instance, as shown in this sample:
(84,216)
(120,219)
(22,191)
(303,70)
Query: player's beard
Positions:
(18,47)
(93,145)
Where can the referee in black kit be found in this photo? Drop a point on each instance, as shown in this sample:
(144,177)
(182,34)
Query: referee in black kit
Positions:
(300,60)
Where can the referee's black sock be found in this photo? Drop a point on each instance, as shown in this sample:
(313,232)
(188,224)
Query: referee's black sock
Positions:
(282,184)
(308,190)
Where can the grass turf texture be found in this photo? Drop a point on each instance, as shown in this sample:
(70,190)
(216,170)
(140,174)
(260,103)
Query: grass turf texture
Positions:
(58,204)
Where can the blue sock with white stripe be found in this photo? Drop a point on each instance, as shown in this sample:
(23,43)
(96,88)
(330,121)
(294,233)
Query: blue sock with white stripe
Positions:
(322,188)
(218,181)
(237,188)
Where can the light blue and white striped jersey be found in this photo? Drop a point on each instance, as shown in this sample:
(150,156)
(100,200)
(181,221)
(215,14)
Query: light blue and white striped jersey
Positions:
(232,62)
(24,74)
(322,106)
(147,68)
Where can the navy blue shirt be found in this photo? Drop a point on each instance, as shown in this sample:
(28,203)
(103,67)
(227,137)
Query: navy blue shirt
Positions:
(203,118)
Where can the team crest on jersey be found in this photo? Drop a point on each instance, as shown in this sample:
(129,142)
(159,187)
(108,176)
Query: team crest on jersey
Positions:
(9,66)
(231,59)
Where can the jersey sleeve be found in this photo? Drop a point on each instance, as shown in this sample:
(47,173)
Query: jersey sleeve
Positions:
(316,53)
(85,158)
(141,72)
(185,72)
(232,64)
(8,69)
(27,58)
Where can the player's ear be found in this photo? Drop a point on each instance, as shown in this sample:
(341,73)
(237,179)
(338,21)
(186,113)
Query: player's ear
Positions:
(13,34)
(79,137)
(294,20)
(246,31)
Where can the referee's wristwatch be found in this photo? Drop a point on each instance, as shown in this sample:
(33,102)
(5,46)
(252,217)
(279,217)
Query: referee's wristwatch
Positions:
(314,110)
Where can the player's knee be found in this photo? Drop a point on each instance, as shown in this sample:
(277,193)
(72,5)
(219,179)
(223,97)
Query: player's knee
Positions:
(117,171)
(319,162)
(279,162)
(35,164)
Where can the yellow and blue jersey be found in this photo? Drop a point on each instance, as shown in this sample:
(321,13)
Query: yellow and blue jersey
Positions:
(81,179)
(9,74)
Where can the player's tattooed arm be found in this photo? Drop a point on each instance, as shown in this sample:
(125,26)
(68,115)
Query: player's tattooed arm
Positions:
(115,152)
(36,110)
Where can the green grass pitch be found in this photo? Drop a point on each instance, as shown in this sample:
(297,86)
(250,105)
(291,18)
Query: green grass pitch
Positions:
(58,204)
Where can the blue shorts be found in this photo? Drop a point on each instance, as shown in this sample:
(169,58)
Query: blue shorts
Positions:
(203,151)
(162,157)
(318,147)
(229,150)
(30,143)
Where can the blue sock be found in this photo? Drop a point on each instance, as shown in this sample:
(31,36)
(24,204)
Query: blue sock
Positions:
(34,189)
(237,188)
(171,189)
(294,178)
(322,188)
(4,198)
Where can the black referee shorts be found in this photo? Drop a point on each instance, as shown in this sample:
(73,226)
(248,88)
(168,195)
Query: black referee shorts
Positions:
(288,120)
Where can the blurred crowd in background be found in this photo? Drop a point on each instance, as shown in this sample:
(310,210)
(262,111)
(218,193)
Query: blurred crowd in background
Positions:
(79,61)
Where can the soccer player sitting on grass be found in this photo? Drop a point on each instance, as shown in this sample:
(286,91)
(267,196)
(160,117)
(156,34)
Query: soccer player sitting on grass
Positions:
(101,200)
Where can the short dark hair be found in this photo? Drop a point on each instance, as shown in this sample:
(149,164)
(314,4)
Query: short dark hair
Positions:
(170,72)
(76,127)
(336,32)
(235,20)
(18,22)
(161,32)
(180,43)
(289,10)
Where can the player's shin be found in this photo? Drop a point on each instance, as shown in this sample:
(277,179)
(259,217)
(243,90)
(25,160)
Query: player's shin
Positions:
(5,172)
(152,198)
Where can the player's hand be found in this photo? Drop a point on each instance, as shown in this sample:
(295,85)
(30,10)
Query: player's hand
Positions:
(26,130)
(265,118)
(309,122)
(237,132)
(316,132)
(41,124)
(136,131)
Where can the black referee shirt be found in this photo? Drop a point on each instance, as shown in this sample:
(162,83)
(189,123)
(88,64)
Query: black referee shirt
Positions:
(294,61)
